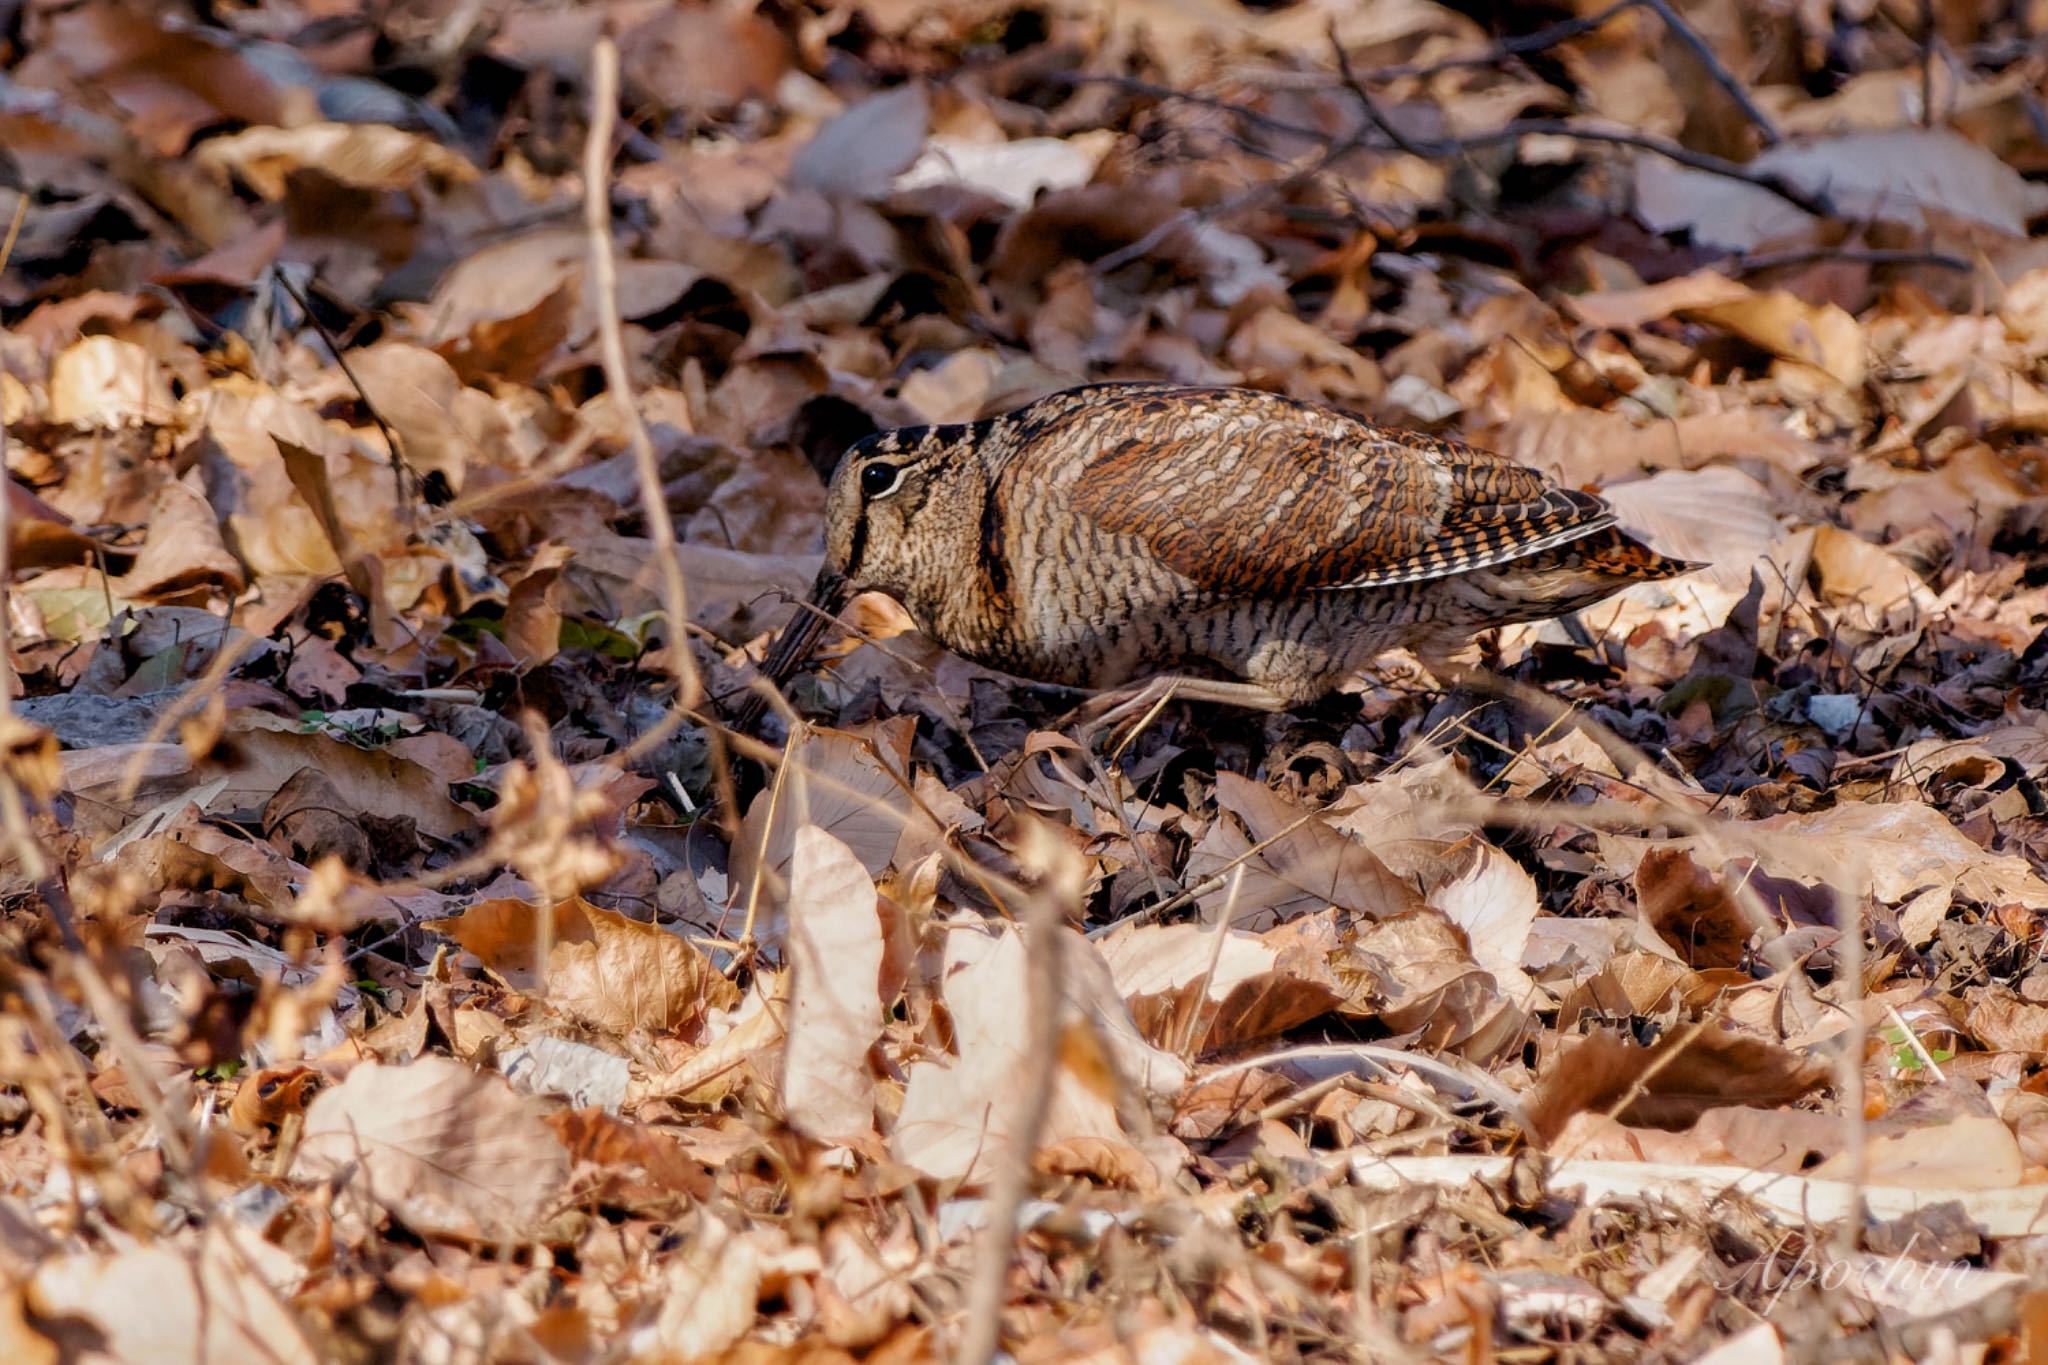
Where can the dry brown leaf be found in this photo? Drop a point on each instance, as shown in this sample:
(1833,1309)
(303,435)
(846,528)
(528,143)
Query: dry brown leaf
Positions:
(703,61)
(1671,1083)
(1589,446)
(1823,336)
(1196,989)
(1693,909)
(1961,1152)
(630,977)
(367,156)
(1307,866)
(865,1289)
(184,550)
(442,425)
(2002,1020)
(1925,177)
(862,150)
(265,750)
(1415,972)
(741,1054)
(1869,582)
(707,1295)
(1624,309)
(506,935)
(852,786)
(447,1150)
(1895,851)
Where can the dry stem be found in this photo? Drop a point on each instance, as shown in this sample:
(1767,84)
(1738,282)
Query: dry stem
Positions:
(604,283)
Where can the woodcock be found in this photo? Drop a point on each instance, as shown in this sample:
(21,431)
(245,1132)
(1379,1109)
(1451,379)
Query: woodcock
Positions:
(1258,548)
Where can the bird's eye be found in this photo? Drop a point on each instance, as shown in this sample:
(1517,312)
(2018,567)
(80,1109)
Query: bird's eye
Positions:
(880,480)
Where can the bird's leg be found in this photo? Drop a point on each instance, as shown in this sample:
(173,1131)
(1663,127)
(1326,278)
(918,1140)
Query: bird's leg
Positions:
(1105,711)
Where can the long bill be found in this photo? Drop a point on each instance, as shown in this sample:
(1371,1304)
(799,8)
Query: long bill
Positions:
(828,596)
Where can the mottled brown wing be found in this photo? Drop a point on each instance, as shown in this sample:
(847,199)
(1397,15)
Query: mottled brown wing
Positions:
(1253,494)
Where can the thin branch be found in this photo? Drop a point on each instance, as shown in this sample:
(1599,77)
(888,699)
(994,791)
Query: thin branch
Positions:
(604,283)
(1044,932)
(1723,77)
(1926,63)
(400,469)
(1849,927)
(1442,149)
(1868,255)
(1365,99)
(1809,201)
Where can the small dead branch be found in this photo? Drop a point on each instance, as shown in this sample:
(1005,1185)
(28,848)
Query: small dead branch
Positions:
(1044,929)
(618,378)
(401,470)
(1722,76)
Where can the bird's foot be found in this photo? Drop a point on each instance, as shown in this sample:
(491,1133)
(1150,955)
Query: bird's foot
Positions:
(1122,713)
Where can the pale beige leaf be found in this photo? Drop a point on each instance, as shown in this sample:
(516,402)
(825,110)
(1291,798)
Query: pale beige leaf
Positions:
(420,396)
(865,1289)
(835,957)
(709,1294)
(268,749)
(445,1149)
(1622,309)
(1917,176)
(1823,335)
(183,550)
(1495,902)
(955,1123)
(855,787)
(731,1059)
(860,151)
(101,381)
(1016,171)
(1964,1152)
(1202,987)
(1305,866)
(162,1304)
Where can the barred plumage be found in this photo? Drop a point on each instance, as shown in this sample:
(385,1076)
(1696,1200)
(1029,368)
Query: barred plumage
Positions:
(1118,532)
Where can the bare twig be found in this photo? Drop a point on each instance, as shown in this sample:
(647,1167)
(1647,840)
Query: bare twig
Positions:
(1814,202)
(1857,255)
(1926,63)
(1722,76)
(604,284)
(1365,100)
(1810,201)
(400,469)
(1044,942)
(1849,1060)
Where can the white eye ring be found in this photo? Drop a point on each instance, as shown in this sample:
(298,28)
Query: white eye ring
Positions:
(874,489)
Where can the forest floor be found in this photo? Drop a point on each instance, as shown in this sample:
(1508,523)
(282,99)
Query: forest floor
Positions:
(402,960)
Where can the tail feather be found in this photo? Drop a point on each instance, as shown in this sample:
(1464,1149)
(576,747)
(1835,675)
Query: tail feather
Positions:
(1613,553)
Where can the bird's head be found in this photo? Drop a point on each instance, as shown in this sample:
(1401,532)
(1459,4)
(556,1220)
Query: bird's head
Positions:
(871,538)
(873,505)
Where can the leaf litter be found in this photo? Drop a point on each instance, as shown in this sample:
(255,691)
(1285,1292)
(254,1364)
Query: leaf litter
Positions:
(401,967)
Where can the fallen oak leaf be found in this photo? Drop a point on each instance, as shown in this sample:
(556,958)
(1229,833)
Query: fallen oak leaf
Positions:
(835,1015)
(630,976)
(447,1150)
